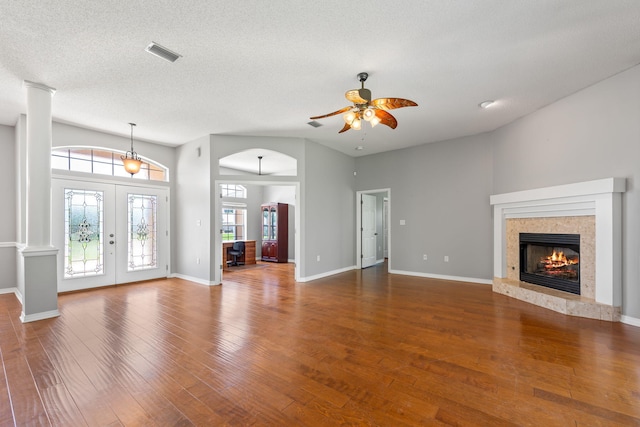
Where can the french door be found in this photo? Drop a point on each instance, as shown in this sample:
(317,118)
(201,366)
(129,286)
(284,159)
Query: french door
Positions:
(108,233)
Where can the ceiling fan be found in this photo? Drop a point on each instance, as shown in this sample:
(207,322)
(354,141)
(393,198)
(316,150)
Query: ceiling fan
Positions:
(364,108)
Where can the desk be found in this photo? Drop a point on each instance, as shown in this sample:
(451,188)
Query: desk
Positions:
(249,256)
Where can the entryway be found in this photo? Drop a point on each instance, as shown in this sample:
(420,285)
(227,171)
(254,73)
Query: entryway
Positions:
(108,233)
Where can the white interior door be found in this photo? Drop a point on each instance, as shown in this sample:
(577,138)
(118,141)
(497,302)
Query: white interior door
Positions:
(108,234)
(369,235)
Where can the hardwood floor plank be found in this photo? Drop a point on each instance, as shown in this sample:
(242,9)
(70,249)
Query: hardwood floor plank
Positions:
(359,348)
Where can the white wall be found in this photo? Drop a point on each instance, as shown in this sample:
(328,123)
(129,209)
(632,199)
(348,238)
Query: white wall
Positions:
(441,191)
(7,208)
(191,238)
(329,210)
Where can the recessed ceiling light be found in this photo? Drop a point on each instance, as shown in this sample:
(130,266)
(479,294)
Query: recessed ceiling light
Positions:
(162,52)
(486,104)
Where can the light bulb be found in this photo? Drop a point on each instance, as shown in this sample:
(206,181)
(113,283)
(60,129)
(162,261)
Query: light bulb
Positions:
(368,114)
(356,124)
(374,121)
(349,117)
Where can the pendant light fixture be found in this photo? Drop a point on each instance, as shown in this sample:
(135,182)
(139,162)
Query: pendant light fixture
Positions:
(131,161)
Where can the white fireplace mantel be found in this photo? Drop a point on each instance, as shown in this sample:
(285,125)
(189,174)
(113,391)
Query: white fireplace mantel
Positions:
(601,198)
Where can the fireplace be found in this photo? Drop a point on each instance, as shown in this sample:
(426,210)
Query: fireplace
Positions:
(551,260)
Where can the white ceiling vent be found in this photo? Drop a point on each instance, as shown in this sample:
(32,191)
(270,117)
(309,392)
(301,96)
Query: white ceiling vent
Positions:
(315,124)
(162,52)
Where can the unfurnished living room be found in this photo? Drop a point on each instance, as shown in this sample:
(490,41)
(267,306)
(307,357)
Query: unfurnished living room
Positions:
(333,213)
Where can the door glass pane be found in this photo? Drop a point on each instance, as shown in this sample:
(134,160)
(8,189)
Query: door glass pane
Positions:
(274,224)
(265,224)
(142,232)
(84,247)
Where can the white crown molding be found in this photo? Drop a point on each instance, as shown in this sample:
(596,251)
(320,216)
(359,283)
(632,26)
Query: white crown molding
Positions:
(27,83)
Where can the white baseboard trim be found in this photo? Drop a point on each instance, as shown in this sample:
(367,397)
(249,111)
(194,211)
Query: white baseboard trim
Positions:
(443,277)
(19,296)
(8,291)
(193,279)
(39,316)
(630,320)
(326,274)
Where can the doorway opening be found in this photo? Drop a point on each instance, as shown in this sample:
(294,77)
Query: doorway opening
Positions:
(373,236)
(258,195)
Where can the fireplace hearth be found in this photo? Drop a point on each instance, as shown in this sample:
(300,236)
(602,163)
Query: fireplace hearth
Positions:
(581,208)
(551,260)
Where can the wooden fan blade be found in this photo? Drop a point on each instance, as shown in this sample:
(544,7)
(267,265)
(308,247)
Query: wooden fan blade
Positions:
(358,96)
(346,127)
(386,119)
(391,103)
(343,110)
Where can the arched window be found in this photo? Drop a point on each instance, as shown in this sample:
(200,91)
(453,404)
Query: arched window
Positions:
(102,161)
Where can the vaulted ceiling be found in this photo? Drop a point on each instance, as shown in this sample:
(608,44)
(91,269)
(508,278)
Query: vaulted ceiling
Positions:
(263,68)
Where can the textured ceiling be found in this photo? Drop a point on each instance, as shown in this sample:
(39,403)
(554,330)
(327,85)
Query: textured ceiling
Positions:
(263,68)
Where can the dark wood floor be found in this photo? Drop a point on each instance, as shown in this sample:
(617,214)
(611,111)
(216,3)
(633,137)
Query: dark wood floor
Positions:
(359,348)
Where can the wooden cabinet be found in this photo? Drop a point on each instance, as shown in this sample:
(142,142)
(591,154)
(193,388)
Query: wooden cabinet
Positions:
(275,232)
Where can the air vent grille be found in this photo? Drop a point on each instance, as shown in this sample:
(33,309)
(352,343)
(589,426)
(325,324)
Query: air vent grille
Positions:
(162,52)
(315,124)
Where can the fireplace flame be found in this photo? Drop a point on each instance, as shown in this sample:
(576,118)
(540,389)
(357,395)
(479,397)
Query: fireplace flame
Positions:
(558,260)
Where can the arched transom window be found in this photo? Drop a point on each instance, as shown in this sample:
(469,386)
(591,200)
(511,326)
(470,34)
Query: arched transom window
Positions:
(102,161)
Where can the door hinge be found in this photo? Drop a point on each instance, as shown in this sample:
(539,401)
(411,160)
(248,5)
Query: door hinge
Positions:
(361,256)
(167,233)
(167,267)
(167,198)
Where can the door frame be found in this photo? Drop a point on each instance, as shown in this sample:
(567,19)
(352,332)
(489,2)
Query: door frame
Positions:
(359,225)
(216,253)
(164,186)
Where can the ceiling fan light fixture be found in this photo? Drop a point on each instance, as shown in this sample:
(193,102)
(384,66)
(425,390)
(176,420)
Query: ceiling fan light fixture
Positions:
(364,108)
(368,114)
(349,117)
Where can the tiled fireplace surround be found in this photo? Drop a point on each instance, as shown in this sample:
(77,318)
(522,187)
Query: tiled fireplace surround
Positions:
(591,209)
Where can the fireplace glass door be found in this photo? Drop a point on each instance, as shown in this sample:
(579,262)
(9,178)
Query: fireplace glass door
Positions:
(551,260)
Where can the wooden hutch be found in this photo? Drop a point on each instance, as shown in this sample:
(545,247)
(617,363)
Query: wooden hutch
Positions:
(275,232)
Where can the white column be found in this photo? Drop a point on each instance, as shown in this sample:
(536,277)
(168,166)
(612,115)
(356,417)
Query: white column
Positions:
(38,164)
(38,264)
